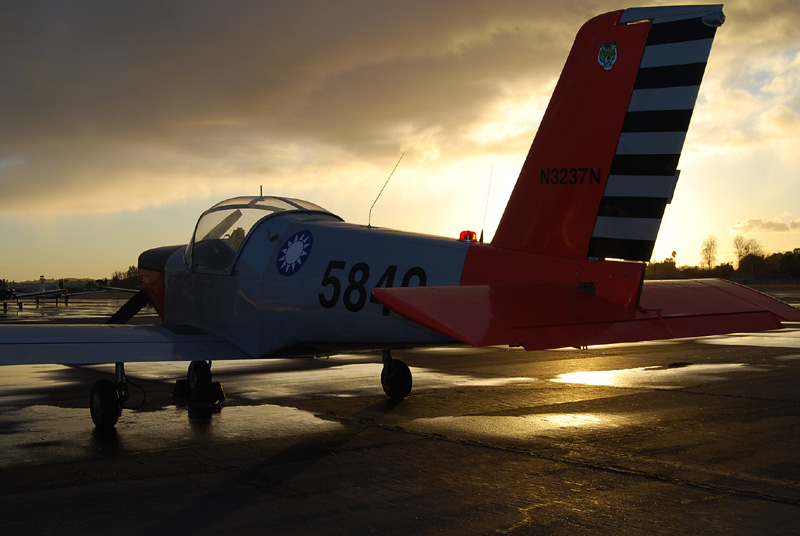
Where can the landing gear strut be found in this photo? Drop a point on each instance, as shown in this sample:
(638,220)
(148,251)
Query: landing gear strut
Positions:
(395,377)
(107,398)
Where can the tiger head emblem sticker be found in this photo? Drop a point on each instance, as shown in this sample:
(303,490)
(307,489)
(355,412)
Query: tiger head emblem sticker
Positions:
(607,56)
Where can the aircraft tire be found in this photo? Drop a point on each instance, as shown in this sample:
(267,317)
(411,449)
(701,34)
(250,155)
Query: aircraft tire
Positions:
(104,404)
(199,373)
(396,379)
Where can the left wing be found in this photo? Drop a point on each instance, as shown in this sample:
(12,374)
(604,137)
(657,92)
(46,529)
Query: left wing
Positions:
(22,344)
(39,294)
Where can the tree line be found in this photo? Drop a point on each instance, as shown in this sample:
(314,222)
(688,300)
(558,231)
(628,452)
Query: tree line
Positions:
(126,279)
(752,264)
(122,279)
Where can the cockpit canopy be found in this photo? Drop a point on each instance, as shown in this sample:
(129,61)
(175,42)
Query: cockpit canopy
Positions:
(222,229)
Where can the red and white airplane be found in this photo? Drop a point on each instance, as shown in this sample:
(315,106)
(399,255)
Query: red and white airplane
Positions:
(277,277)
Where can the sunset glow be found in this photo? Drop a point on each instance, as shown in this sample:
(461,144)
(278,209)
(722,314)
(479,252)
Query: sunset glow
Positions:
(124,121)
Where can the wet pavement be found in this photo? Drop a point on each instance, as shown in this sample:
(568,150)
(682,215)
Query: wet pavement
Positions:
(84,308)
(698,436)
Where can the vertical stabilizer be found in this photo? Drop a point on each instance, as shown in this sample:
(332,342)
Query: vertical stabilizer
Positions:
(603,164)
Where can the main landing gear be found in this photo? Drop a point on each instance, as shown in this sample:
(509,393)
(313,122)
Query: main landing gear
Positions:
(395,377)
(107,399)
(198,386)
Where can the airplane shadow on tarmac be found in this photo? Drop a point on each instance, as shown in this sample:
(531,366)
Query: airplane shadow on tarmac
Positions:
(274,476)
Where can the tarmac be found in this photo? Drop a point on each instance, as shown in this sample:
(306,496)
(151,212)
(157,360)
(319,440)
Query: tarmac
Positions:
(696,436)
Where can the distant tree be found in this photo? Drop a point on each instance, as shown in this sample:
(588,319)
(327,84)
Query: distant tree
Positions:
(746,246)
(665,269)
(790,265)
(722,271)
(708,251)
(126,279)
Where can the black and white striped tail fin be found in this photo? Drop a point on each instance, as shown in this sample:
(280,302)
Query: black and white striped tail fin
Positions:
(643,172)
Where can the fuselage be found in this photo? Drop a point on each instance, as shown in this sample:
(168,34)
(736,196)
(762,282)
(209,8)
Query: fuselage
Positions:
(259,284)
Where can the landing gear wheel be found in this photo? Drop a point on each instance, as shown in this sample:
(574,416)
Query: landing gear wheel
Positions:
(104,404)
(197,386)
(395,378)
(199,373)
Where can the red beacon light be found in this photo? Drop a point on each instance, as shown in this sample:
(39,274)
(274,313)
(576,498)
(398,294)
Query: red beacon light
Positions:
(468,236)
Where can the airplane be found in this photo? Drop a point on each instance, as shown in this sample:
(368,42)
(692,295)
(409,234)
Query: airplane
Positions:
(7,293)
(272,276)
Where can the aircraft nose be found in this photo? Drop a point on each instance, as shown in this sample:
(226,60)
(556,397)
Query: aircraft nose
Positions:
(152,264)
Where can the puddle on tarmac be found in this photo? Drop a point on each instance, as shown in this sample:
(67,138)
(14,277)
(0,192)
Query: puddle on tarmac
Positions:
(784,338)
(657,377)
(789,357)
(97,309)
(521,427)
(260,380)
(352,380)
(67,433)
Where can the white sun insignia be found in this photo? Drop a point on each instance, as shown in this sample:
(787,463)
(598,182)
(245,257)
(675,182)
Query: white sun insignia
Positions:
(294,252)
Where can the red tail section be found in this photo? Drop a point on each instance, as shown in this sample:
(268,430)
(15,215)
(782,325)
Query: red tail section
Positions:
(603,164)
(600,172)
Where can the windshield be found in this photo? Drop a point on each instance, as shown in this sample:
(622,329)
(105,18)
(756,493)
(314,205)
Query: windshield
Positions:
(221,230)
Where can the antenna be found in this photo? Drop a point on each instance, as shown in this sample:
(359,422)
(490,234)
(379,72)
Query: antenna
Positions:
(369,219)
(486,209)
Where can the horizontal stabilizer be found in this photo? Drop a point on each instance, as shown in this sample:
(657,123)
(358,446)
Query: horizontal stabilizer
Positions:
(697,307)
(534,316)
(552,316)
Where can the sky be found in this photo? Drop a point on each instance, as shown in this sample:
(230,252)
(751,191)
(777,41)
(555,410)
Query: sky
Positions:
(120,122)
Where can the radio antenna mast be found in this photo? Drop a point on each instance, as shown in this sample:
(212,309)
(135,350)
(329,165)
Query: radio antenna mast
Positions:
(369,219)
(486,209)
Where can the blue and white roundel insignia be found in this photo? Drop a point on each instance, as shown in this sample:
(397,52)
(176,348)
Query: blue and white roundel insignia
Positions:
(294,252)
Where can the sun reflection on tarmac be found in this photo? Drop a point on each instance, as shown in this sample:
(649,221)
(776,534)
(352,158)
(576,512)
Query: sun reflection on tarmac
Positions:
(521,426)
(783,338)
(670,377)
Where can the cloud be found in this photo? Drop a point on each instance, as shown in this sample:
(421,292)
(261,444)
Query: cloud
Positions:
(118,105)
(99,95)
(755,225)
(749,93)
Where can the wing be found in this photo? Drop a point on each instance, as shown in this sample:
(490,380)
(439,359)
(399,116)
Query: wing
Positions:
(553,316)
(39,293)
(22,344)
